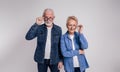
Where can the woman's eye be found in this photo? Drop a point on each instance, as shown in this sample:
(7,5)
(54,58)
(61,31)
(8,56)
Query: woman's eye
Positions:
(70,25)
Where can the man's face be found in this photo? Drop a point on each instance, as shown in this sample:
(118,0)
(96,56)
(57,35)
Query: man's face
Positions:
(48,18)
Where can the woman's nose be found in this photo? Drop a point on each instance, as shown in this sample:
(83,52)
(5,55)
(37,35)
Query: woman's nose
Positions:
(72,27)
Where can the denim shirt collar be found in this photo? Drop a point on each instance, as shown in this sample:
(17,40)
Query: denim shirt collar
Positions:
(68,36)
(44,26)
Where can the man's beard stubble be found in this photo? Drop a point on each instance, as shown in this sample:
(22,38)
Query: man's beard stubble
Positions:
(48,23)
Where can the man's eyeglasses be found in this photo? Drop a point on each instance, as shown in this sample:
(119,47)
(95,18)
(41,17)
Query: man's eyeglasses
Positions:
(48,18)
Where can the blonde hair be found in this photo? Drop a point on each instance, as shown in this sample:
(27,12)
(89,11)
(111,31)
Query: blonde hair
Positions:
(72,18)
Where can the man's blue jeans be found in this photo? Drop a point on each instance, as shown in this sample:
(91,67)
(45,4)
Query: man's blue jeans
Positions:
(77,69)
(43,67)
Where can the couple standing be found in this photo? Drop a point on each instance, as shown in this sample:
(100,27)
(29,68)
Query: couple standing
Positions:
(54,49)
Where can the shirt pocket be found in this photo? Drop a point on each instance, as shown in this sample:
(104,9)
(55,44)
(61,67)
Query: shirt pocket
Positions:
(56,38)
(41,36)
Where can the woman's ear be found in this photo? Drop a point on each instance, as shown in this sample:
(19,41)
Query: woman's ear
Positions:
(67,25)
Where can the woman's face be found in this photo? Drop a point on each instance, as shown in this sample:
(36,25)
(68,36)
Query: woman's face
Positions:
(71,25)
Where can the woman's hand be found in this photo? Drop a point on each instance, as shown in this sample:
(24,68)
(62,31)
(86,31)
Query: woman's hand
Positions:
(81,52)
(80,27)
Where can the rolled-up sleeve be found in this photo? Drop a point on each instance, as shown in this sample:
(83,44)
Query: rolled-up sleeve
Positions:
(32,32)
(83,41)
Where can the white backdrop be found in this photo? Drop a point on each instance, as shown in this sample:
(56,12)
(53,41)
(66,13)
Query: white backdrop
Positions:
(101,27)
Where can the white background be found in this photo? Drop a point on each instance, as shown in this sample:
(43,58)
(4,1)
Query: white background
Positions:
(101,27)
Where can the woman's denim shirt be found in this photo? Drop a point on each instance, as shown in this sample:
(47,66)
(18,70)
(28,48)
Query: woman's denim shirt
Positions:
(67,51)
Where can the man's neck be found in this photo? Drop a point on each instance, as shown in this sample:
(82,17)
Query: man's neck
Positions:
(50,26)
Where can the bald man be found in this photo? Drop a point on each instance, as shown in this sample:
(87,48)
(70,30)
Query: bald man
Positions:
(47,53)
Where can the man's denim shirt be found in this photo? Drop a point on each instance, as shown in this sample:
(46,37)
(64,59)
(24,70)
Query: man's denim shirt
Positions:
(40,31)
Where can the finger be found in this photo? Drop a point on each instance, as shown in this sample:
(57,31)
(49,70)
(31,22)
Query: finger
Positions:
(40,19)
(58,67)
(80,26)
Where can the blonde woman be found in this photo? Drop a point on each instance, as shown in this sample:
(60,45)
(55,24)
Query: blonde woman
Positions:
(72,47)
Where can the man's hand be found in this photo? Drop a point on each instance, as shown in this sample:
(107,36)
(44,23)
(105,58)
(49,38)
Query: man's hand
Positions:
(81,52)
(60,65)
(39,20)
(80,27)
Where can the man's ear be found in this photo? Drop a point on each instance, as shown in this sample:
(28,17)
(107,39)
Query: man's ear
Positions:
(53,17)
(43,15)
